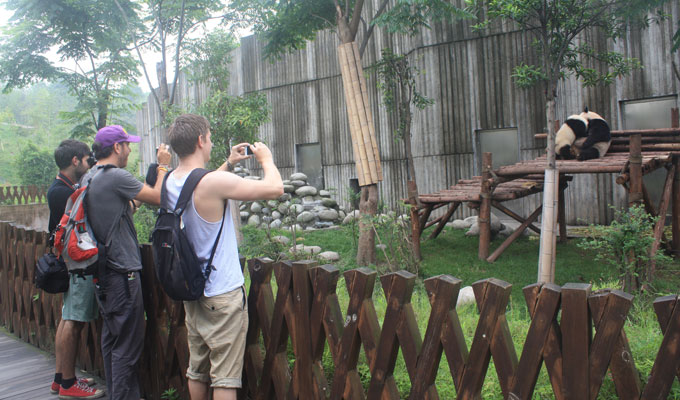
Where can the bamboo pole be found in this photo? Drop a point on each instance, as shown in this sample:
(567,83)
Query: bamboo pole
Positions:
(546,273)
(561,212)
(361,163)
(371,124)
(368,158)
(484,219)
(635,170)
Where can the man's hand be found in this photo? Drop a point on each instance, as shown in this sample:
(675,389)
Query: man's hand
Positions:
(262,152)
(238,153)
(163,154)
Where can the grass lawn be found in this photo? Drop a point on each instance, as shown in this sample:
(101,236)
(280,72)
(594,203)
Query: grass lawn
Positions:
(455,254)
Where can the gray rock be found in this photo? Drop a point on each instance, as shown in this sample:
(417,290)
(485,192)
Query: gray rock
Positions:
(296,227)
(308,200)
(298,184)
(242,206)
(328,215)
(306,249)
(256,207)
(266,211)
(329,256)
(254,220)
(272,203)
(288,188)
(466,296)
(296,209)
(310,228)
(323,224)
(306,191)
(324,193)
(263,225)
(329,202)
(275,224)
(245,214)
(237,170)
(351,217)
(298,176)
(341,214)
(281,239)
(459,224)
(305,216)
(276,214)
(286,181)
(267,219)
(285,196)
(252,178)
(282,208)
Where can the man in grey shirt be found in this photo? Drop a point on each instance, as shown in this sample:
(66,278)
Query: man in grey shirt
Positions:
(112,197)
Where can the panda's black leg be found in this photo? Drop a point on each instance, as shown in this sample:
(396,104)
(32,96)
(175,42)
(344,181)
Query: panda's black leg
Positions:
(588,154)
(565,153)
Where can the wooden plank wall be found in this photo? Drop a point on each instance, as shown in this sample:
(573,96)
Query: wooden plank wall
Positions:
(468,76)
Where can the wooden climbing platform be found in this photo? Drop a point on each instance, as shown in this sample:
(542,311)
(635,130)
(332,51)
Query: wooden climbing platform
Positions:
(632,154)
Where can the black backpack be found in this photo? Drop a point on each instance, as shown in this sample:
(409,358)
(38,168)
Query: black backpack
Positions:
(177,267)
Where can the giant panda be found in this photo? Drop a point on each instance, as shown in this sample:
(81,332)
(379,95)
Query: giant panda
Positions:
(573,128)
(599,137)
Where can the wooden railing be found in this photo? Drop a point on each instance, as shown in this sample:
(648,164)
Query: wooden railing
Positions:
(576,333)
(23,194)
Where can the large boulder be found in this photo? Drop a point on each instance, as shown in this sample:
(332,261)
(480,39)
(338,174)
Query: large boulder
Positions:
(254,220)
(298,176)
(286,196)
(306,191)
(306,249)
(281,239)
(275,224)
(296,209)
(329,256)
(256,207)
(328,215)
(305,217)
(298,184)
(288,188)
(324,193)
(466,296)
(328,202)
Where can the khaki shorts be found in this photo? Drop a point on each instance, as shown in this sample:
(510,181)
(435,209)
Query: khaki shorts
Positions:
(216,332)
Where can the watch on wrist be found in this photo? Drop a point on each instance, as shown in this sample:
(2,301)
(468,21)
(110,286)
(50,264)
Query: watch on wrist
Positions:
(230,166)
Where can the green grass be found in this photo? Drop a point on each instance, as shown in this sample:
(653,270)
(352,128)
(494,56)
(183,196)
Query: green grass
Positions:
(455,254)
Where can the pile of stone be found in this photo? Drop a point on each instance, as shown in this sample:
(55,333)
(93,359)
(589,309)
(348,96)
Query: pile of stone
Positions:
(301,206)
(470,223)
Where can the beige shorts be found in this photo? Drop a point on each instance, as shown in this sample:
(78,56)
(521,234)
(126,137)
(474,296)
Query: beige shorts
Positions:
(216,332)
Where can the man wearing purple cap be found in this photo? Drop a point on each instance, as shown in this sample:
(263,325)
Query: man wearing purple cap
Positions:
(112,197)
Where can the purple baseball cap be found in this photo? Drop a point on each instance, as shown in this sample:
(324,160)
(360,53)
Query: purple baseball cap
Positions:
(111,134)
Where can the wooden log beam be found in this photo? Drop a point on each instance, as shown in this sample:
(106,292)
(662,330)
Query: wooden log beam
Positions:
(661,222)
(561,212)
(514,216)
(517,233)
(624,133)
(444,219)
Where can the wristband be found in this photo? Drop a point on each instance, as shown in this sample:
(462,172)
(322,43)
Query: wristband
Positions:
(162,168)
(230,166)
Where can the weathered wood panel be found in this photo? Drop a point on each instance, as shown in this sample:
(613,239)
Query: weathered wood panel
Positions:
(468,74)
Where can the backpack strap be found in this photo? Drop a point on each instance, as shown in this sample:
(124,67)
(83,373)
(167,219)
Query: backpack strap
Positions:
(184,196)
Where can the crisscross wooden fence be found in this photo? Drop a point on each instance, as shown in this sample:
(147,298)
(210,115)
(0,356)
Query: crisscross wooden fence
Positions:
(577,334)
(23,194)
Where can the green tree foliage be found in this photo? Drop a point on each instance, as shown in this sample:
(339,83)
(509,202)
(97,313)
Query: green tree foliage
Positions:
(625,245)
(35,166)
(90,40)
(233,119)
(166,27)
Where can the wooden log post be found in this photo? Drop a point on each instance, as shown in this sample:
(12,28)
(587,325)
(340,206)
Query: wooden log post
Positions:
(484,219)
(635,162)
(561,212)
(675,123)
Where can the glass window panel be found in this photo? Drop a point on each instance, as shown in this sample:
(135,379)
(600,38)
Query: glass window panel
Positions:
(308,161)
(502,143)
(650,114)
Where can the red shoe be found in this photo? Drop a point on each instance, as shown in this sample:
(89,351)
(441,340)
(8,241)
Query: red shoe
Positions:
(88,381)
(80,391)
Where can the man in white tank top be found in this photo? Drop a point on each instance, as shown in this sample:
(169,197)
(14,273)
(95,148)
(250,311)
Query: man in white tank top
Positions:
(216,323)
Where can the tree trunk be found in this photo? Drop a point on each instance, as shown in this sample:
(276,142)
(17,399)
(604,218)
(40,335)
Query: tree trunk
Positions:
(546,257)
(368,207)
(164,97)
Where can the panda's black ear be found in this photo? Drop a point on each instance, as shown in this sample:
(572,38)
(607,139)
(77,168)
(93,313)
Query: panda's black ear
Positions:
(585,110)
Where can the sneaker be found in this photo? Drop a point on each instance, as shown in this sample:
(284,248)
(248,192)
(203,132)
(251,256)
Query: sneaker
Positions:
(80,391)
(88,381)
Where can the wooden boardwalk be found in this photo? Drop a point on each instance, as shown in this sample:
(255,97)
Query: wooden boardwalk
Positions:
(26,372)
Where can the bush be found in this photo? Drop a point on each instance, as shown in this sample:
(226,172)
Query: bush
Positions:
(35,166)
(625,245)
